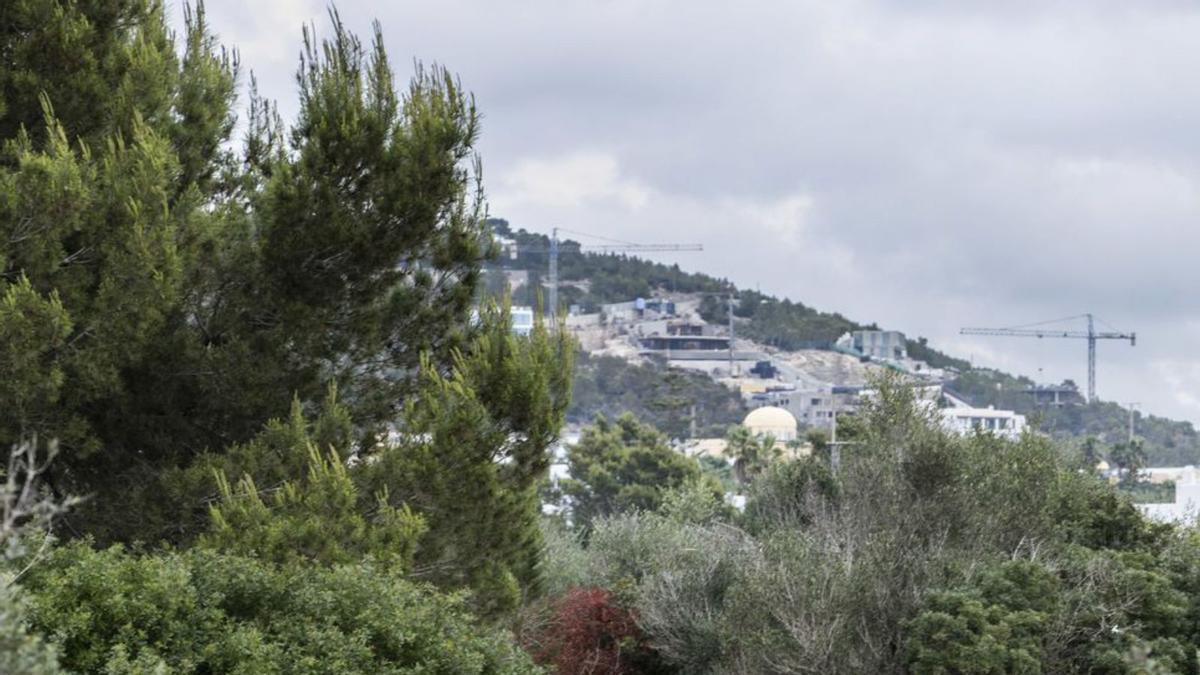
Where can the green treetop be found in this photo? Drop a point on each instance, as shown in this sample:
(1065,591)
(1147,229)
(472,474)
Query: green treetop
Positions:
(622,466)
(162,295)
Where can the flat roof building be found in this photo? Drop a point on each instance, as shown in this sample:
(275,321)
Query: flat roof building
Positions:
(882,345)
(685,343)
(964,421)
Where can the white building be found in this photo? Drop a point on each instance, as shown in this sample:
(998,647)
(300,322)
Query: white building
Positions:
(964,421)
(1171,474)
(816,406)
(522,320)
(882,345)
(1185,508)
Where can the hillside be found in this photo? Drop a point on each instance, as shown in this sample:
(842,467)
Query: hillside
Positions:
(667,398)
(589,280)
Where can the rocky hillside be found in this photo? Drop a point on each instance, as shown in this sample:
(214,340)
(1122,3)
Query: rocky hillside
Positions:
(589,280)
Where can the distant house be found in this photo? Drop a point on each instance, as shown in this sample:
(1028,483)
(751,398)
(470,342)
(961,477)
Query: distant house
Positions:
(520,319)
(964,421)
(688,328)
(882,345)
(639,309)
(817,406)
(685,342)
(1056,395)
(1186,507)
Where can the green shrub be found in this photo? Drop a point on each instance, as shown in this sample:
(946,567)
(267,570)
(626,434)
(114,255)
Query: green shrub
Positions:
(21,652)
(205,612)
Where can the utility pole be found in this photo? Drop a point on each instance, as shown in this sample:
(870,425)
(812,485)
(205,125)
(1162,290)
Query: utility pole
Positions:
(1131,407)
(835,446)
(835,450)
(553,307)
(731,334)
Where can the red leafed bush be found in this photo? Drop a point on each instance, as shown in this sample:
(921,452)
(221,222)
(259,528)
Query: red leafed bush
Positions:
(590,634)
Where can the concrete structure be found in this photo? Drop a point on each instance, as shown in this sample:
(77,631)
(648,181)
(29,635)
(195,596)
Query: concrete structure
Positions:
(772,421)
(689,328)
(640,309)
(1185,508)
(815,406)
(760,393)
(1004,423)
(1171,474)
(675,343)
(1056,395)
(880,345)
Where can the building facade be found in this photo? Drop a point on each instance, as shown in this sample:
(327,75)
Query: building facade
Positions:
(881,345)
(965,421)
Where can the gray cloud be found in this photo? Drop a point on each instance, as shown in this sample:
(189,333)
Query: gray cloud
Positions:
(924,165)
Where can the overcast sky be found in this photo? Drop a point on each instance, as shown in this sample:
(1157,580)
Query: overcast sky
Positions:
(925,165)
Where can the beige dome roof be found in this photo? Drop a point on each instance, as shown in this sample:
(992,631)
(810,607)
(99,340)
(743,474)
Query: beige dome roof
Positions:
(770,419)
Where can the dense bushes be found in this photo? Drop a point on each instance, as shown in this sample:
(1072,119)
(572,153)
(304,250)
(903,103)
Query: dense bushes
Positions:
(926,553)
(198,611)
(671,399)
(22,652)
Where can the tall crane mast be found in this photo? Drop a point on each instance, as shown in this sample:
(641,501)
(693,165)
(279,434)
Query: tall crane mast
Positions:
(623,247)
(1090,335)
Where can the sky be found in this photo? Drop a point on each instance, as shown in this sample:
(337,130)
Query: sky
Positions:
(925,164)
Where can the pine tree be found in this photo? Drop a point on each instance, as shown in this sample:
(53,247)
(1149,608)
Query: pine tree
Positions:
(109,147)
(623,466)
(450,497)
(164,297)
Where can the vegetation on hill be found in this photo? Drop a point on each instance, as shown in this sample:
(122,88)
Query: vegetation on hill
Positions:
(673,400)
(1166,442)
(780,323)
(925,553)
(792,325)
(591,279)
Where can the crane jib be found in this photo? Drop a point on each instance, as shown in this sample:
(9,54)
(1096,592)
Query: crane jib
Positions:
(1090,335)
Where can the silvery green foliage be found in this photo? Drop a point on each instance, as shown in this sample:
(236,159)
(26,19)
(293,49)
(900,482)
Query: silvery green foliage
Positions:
(25,513)
(21,653)
(858,570)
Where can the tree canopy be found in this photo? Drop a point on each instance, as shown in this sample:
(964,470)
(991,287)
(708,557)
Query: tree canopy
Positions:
(622,466)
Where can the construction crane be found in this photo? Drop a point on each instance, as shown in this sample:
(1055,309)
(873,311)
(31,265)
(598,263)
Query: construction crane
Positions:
(1031,330)
(618,247)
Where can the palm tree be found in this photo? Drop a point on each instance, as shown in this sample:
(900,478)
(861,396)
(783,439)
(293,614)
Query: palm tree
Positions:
(751,454)
(1130,458)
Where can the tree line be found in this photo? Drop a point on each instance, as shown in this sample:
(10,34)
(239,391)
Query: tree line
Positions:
(918,552)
